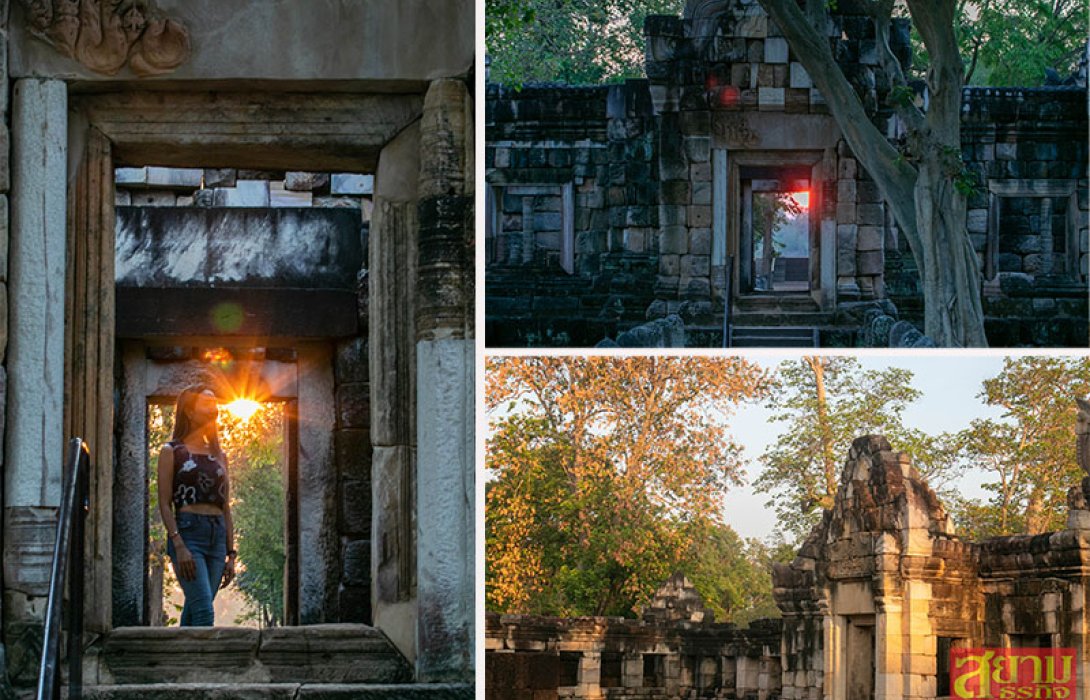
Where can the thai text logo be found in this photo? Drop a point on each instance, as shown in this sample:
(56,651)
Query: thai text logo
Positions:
(1010,673)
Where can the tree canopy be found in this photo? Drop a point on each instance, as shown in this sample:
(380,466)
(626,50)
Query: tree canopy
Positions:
(569,41)
(1030,451)
(1001,42)
(825,403)
(607,474)
(1013,42)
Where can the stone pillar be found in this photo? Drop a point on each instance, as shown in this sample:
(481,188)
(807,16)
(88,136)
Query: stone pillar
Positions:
(392,372)
(35,366)
(130,490)
(319,557)
(352,446)
(444,400)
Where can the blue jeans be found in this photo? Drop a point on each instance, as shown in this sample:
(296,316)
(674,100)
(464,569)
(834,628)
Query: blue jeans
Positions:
(206,538)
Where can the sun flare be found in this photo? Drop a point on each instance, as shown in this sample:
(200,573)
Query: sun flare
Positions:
(243,408)
(802,199)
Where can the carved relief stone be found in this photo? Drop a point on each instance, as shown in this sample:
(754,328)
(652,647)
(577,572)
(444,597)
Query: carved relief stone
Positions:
(104,35)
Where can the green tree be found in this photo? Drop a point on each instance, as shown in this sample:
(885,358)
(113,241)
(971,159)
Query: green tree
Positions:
(825,403)
(254,450)
(734,576)
(569,41)
(1012,42)
(607,473)
(1030,451)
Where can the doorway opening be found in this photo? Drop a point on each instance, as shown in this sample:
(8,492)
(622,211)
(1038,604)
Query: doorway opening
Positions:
(254,436)
(776,233)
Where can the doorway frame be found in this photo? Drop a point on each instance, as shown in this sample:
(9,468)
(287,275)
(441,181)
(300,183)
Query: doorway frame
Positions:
(234,126)
(822,164)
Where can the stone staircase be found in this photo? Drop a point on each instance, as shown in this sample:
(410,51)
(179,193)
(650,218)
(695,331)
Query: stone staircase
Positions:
(774,337)
(317,661)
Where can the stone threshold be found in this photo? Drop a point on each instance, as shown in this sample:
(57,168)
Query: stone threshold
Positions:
(279,691)
(328,653)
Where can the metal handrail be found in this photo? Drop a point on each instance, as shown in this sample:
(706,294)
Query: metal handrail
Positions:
(67,555)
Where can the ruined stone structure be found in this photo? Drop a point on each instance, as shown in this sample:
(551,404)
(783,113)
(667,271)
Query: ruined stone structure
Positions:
(318,169)
(611,206)
(674,650)
(876,598)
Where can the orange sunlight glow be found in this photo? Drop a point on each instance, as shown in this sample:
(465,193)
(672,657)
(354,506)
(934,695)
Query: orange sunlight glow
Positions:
(243,408)
(802,199)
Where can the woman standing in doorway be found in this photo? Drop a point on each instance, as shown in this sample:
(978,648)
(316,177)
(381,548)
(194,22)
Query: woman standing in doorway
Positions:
(193,477)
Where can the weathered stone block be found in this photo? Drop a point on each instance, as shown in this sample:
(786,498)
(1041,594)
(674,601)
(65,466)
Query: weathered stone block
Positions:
(353,405)
(694,265)
(870,263)
(669,265)
(223,177)
(870,238)
(846,169)
(674,240)
(775,50)
(635,240)
(799,77)
(702,193)
(699,216)
(154,199)
(871,215)
(355,507)
(700,241)
(752,26)
(846,212)
(770,99)
(698,148)
(352,448)
(174,178)
(845,191)
(977,221)
(309,182)
(700,172)
(245,193)
(356,567)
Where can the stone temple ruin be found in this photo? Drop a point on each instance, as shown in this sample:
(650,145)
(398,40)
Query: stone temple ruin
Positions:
(290,186)
(872,604)
(612,206)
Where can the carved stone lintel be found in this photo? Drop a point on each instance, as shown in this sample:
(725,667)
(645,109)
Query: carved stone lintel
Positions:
(105,35)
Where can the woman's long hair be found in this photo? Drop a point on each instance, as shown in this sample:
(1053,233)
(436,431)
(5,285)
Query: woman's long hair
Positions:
(183,417)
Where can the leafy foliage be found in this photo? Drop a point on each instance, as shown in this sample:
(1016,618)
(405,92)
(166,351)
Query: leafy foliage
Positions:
(608,476)
(826,403)
(1030,451)
(1012,42)
(254,450)
(570,41)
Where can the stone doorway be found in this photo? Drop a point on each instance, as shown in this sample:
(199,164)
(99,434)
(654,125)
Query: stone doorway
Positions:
(859,658)
(777,192)
(405,347)
(153,376)
(776,235)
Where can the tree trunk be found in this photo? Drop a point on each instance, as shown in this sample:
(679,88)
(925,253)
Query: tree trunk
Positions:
(951,270)
(828,460)
(923,201)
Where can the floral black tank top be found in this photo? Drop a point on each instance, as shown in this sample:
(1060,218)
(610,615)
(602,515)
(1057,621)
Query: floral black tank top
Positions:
(197,478)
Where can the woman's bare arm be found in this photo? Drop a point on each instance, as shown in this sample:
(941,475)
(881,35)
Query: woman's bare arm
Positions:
(185,566)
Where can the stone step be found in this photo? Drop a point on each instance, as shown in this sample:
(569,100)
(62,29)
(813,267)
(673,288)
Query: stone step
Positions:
(279,691)
(778,337)
(337,653)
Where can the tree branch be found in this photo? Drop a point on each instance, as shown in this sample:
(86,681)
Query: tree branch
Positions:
(896,179)
(882,13)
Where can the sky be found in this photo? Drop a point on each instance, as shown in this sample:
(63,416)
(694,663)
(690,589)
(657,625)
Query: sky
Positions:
(949,385)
